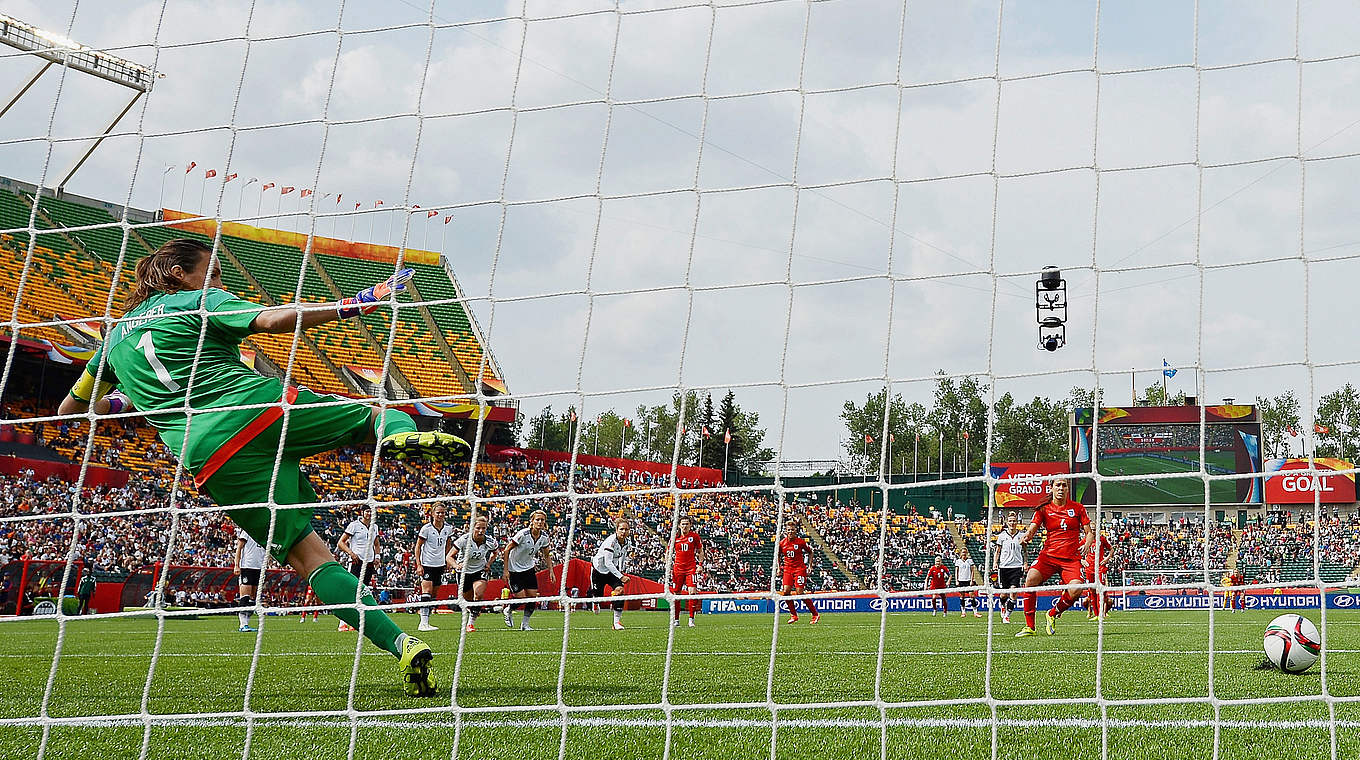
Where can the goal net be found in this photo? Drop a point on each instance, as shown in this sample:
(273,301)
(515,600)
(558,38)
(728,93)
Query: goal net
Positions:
(765,266)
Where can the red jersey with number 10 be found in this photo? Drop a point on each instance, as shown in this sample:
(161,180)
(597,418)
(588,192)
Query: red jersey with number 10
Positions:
(793,552)
(1066,526)
(686,548)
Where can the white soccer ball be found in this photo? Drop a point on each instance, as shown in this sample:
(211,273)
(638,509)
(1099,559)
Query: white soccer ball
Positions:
(1292,643)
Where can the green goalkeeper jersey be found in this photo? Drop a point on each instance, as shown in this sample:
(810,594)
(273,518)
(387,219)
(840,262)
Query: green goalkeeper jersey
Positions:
(151,358)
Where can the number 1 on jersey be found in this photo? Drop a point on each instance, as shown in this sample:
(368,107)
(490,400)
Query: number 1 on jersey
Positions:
(162,374)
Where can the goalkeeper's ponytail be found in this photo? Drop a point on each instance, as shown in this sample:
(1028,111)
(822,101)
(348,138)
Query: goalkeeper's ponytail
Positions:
(154,273)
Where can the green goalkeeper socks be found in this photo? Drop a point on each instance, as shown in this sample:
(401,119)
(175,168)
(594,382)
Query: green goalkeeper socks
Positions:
(389,421)
(334,584)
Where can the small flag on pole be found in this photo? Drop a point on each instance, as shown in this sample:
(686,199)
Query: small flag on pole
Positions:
(1293,432)
(727,437)
(266,186)
(1167,371)
(1321,429)
(286,190)
(868,438)
(209,174)
(305,193)
(190,167)
(230,177)
(448,219)
(431,214)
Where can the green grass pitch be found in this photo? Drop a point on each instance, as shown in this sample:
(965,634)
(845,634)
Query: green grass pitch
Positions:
(1164,488)
(204,666)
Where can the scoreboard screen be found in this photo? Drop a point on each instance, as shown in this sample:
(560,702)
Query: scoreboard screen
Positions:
(1158,453)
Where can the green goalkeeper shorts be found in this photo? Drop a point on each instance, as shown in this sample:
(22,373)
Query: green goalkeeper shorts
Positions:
(247,477)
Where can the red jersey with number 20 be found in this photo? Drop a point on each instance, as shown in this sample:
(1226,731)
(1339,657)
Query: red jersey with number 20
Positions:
(1066,526)
(686,547)
(793,552)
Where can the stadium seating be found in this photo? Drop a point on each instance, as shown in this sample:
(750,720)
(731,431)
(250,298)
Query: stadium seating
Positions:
(77,272)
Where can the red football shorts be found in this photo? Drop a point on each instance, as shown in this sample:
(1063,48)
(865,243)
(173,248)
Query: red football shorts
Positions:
(683,580)
(1089,576)
(795,579)
(1048,566)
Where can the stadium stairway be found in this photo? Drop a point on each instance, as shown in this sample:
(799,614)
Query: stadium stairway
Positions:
(960,542)
(1230,564)
(363,326)
(304,337)
(817,538)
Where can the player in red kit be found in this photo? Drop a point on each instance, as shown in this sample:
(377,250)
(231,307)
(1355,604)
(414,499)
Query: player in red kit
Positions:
(1096,566)
(1234,598)
(938,577)
(794,557)
(1069,535)
(689,551)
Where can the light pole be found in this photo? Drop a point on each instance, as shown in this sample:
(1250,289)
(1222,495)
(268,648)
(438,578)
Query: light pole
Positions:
(241,198)
(160,197)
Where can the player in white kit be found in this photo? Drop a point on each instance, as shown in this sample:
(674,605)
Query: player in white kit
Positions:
(521,559)
(249,563)
(965,573)
(470,559)
(609,566)
(432,545)
(1010,562)
(360,543)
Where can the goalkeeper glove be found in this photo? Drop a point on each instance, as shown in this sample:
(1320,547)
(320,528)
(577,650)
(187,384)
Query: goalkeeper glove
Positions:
(367,300)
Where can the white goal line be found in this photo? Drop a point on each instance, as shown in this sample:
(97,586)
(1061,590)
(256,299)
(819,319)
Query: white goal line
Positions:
(663,653)
(614,722)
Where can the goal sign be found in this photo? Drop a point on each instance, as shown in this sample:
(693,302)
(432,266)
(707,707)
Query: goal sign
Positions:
(1285,484)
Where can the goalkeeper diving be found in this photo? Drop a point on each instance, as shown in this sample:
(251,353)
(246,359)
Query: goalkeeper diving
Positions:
(164,358)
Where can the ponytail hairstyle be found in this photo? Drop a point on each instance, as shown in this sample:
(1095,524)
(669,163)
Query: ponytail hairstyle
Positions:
(154,273)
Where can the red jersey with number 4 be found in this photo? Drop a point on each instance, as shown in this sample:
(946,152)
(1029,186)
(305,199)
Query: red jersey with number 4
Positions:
(1102,545)
(1066,526)
(937,577)
(686,549)
(793,552)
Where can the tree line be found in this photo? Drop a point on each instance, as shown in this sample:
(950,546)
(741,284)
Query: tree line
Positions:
(709,434)
(952,429)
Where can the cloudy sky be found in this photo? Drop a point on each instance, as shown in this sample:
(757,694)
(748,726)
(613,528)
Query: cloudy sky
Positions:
(797,200)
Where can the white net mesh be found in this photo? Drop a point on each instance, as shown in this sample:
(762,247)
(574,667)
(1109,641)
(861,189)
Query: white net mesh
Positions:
(802,202)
